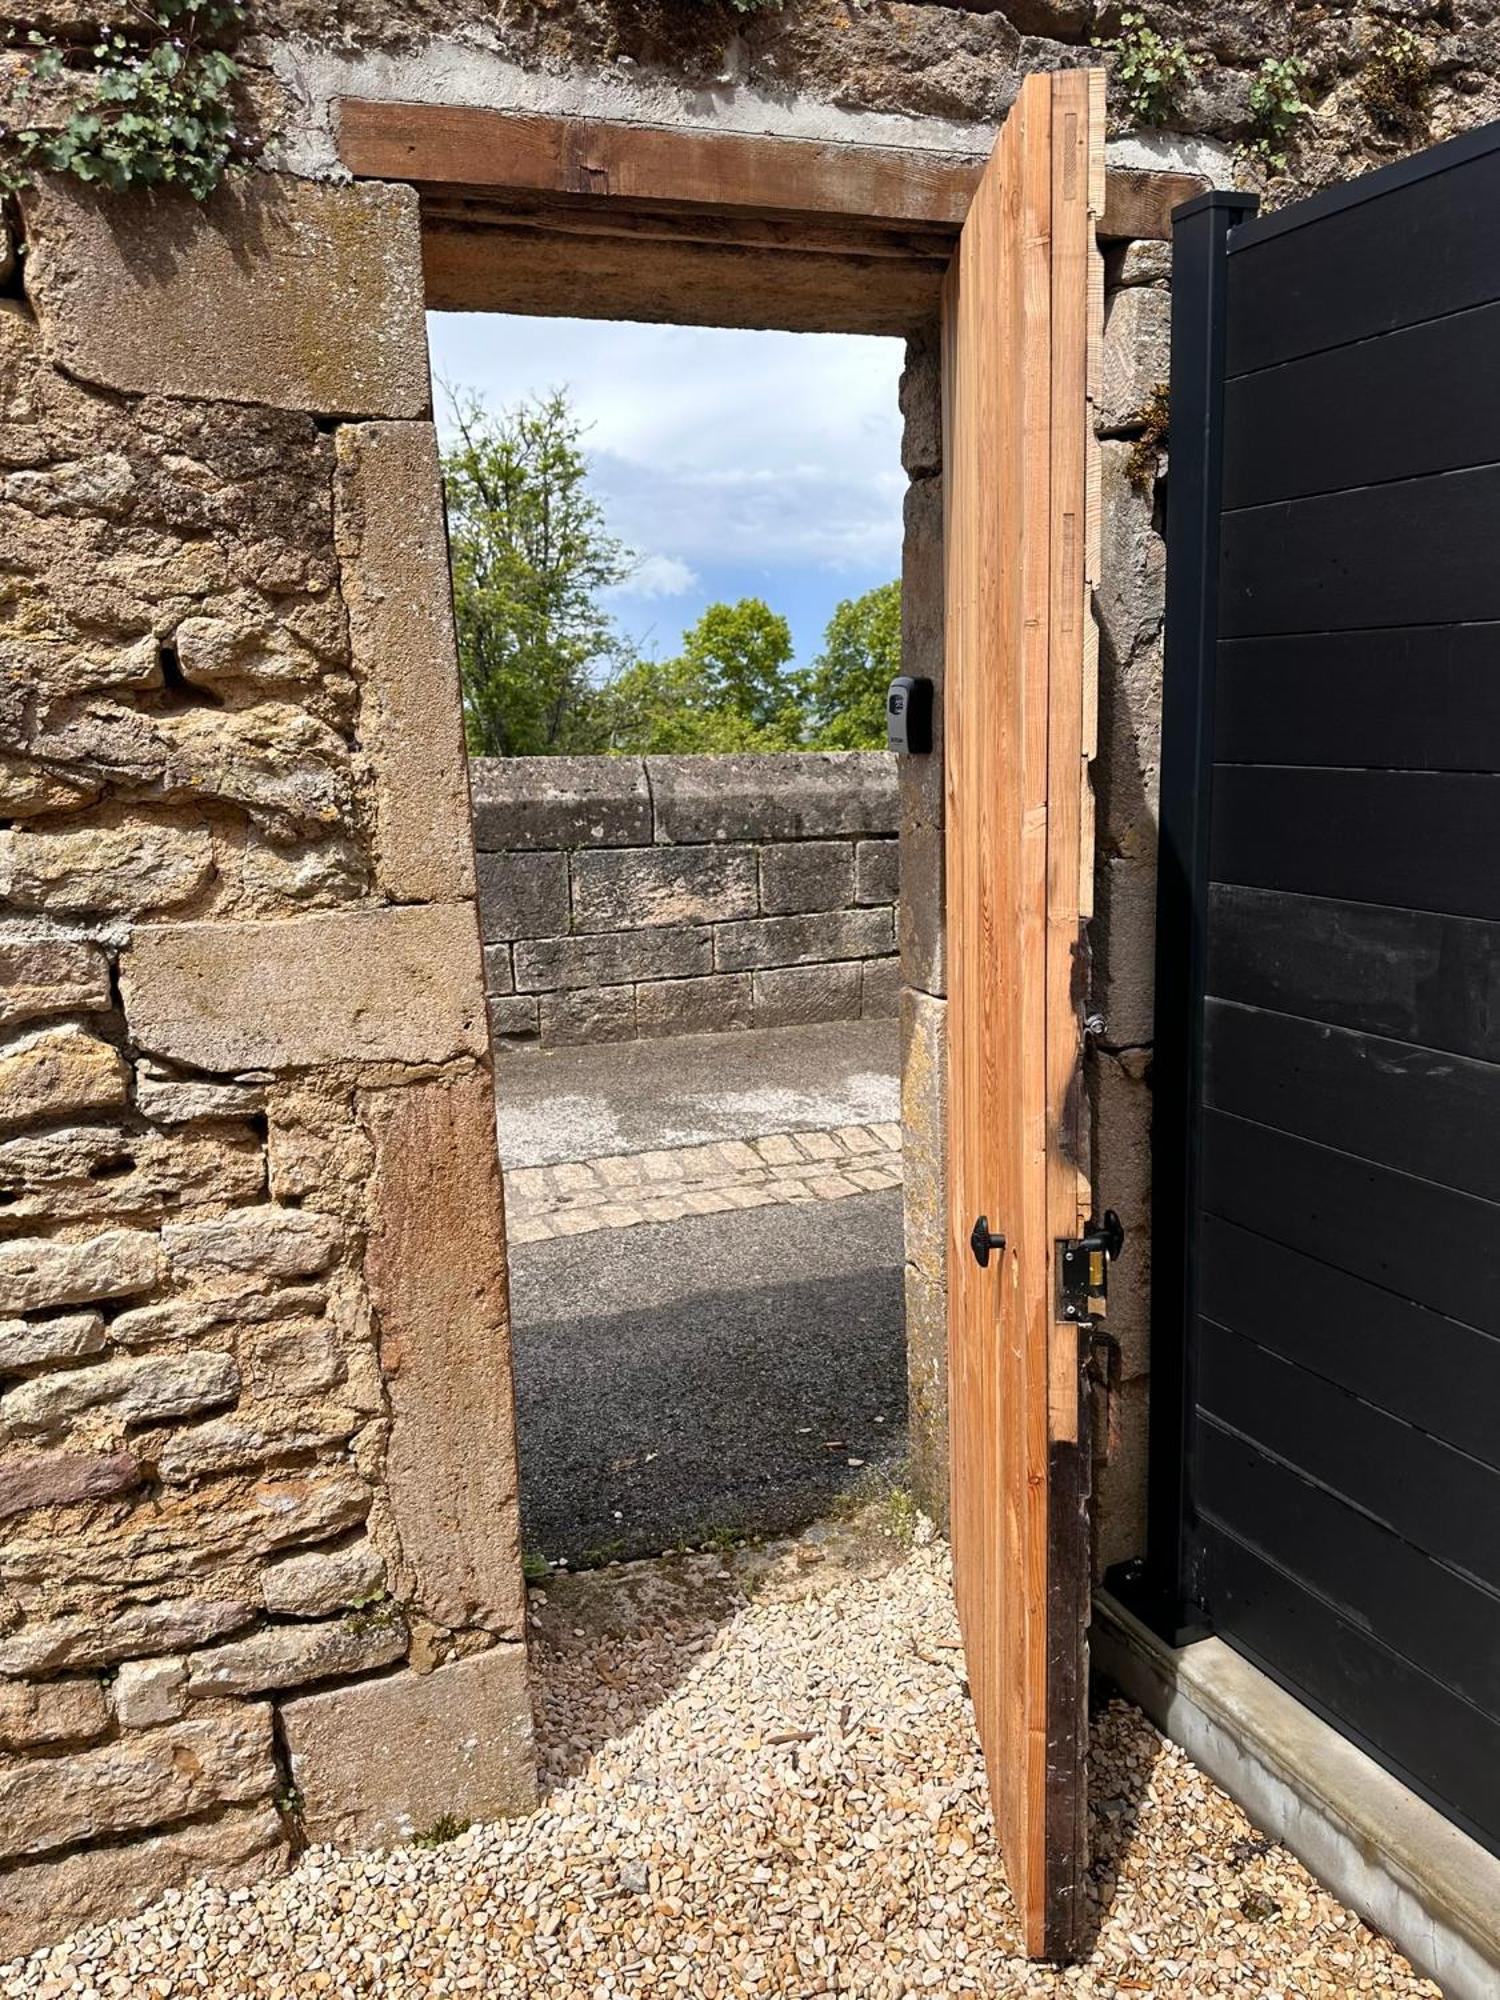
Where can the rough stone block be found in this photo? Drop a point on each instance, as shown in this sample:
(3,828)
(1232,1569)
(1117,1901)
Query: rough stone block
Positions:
(499,971)
(693,1006)
(382,1761)
(1143,262)
(560,802)
(36,1715)
(146,1693)
(296,1655)
(320,1581)
(829,934)
(637,888)
(1124,940)
(301,294)
(1120,1483)
(290,1357)
(135,1389)
(920,928)
(435,1267)
(1136,355)
(877,871)
(513,1018)
(249,1438)
(880,989)
(129,870)
(927,1391)
(794,996)
(598,1014)
(34,1343)
(1131,597)
(523,896)
(924,1131)
(393,561)
(37,1273)
(805,875)
(88,1172)
(47,1899)
(40,976)
(818,794)
(611,958)
(401,984)
(60,1073)
(80,1641)
(266,1242)
(921,396)
(173,1100)
(63,1478)
(140,1780)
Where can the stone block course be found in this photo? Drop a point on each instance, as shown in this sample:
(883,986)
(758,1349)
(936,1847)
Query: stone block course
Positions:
(877,870)
(558,803)
(809,796)
(282,1656)
(880,989)
(319,1581)
(63,1478)
(136,1389)
(37,1715)
(70,1336)
(612,958)
(618,889)
(708,1006)
(40,976)
(595,1014)
(36,1274)
(523,895)
(835,934)
(806,875)
(797,995)
(1136,355)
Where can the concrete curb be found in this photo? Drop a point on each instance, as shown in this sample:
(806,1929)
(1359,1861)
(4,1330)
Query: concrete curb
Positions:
(1378,1847)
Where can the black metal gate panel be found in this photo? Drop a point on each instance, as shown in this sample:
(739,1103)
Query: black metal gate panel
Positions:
(1326,1340)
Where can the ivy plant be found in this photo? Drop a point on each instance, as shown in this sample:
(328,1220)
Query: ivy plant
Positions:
(148,105)
(1150,71)
(1277,107)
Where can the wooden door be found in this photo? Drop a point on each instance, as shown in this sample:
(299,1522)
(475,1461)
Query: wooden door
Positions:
(1022,319)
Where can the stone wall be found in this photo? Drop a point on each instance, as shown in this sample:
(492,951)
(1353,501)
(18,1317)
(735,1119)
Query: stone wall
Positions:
(259,1566)
(626,896)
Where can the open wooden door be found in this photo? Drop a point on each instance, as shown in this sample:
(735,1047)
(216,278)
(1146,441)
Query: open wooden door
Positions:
(1023,309)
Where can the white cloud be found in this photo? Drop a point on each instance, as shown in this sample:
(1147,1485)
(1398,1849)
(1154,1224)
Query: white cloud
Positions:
(658,576)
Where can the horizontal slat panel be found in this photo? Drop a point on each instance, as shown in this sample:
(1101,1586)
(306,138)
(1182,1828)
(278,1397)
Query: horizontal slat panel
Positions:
(1426,1243)
(1421,978)
(1439,1620)
(1436,1373)
(1416,840)
(1420,552)
(1356,415)
(1393,261)
(1421,1111)
(1436,1741)
(1431,1495)
(1420,698)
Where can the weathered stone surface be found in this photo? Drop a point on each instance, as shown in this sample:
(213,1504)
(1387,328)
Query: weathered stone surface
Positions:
(28,789)
(1122,1111)
(513,1016)
(1137,263)
(806,875)
(36,1274)
(1120,1483)
(924,1131)
(61,1478)
(32,1343)
(57,1072)
(290,1357)
(289,292)
(694,1006)
(136,1388)
(251,1438)
(321,1581)
(93,1171)
(927,1392)
(267,1242)
(34,1715)
(877,871)
(1124,938)
(81,1642)
(611,958)
(48,1899)
(400,984)
(215,652)
(793,996)
(829,934)
(145,1693)
(597,1014)
(771,797)
(523,895)
(879,989)
(560,802)
(170,1100)
(499,971)
(922,406)
(919,914)
(1132,559)
(436,1274)
(627,888)
(1136,356)
(40,976)
(296,1655)
(380,1762)
(139,1781)
(127,870)
(393,558)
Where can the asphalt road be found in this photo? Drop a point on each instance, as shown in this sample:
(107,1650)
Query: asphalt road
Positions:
(717,1375)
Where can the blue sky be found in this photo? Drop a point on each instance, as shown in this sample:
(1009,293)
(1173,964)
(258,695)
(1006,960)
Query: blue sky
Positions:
(733,464)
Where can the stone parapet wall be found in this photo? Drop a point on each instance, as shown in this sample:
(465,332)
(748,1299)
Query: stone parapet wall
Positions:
(259,1564)
(624,896)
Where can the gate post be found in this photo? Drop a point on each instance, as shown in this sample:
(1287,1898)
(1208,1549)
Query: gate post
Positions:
(1162,1589)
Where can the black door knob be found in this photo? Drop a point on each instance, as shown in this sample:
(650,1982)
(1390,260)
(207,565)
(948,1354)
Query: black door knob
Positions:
(983,1239)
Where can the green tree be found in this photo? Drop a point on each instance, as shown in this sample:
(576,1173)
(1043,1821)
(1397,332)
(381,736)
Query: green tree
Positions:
(530,553)
(847,685)
(729,688)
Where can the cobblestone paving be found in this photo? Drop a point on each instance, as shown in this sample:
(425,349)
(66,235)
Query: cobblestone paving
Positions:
(666,1184)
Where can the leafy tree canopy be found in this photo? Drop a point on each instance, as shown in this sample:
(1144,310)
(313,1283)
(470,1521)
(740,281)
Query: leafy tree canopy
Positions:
(861,656)
(730,688)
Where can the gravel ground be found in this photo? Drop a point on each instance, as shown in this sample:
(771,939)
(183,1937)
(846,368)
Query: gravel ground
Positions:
(763,1781)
